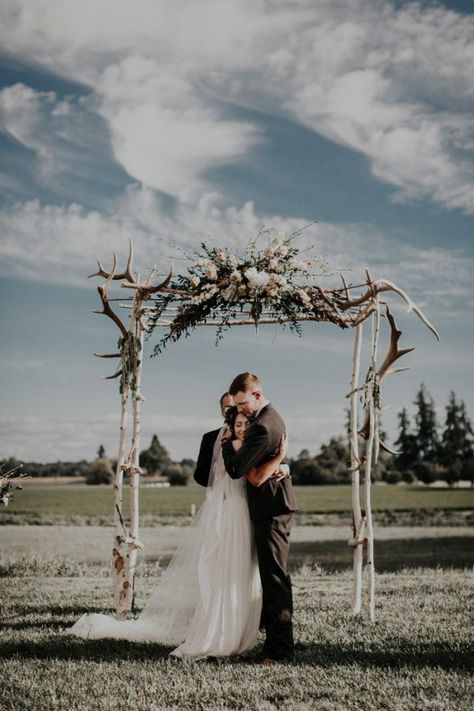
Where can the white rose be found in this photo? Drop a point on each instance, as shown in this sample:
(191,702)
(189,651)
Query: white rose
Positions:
(236,277)
(272,290)
(273,264)
(210,270)
(256,279)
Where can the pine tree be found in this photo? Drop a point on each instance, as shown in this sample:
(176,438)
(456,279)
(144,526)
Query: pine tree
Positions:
(457,438)
(427,441)
(101,452)
(468,445)
(405,444)
(156,458)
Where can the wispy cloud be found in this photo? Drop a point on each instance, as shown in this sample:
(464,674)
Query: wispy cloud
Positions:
(391,82)
(62,243)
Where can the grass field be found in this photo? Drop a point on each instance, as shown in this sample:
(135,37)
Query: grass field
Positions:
(418,654)
(79,503)
(326,546)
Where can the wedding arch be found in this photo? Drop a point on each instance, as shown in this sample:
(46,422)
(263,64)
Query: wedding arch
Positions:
(272,284)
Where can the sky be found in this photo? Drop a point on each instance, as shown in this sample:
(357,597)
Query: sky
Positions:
(179,122)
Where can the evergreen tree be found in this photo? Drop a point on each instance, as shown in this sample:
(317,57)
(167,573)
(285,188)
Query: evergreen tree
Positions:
(405,444)
(467,451)
(101,452)
(156,458)
(427,441)
(456,442)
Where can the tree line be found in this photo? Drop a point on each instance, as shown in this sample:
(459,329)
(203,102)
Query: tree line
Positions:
(426,452)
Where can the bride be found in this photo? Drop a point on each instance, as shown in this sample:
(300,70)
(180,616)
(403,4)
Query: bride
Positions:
(208,601)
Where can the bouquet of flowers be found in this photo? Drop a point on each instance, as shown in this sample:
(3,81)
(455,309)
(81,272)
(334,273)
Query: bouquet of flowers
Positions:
(220,284)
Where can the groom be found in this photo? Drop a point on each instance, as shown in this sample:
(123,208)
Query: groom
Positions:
(271,508)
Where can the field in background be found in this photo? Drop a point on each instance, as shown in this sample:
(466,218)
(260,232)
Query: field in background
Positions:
(79,503)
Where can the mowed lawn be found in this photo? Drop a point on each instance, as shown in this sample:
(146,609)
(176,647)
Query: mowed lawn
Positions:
(79,503)
(418,654)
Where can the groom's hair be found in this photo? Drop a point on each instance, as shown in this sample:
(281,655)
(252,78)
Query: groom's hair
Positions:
(244,382)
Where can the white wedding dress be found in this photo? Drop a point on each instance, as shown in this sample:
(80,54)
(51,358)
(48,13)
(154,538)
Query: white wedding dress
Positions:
(208,601)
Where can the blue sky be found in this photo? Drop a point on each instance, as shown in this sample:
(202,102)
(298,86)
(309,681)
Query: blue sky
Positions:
(179,122)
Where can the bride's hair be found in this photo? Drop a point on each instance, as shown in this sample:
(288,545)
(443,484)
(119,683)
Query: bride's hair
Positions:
(244,382)
(231,416)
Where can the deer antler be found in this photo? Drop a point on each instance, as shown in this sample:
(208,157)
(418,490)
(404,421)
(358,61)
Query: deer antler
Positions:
(107,310)
(393,354)
(148,290)
(126,274)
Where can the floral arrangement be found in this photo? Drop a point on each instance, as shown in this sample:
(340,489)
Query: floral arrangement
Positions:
(271,281)
(9,483)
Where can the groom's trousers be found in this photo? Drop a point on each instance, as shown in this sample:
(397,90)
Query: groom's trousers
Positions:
(272,542)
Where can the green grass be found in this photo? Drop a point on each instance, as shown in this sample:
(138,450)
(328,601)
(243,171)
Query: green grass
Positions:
(324,546)
(77,503)
(417,655)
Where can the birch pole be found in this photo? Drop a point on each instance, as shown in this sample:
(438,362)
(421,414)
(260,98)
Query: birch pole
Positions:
(372,403)
(357,542)
(133,467)
(119,550)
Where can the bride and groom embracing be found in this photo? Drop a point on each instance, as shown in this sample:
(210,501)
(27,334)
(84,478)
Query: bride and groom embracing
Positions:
(229,576)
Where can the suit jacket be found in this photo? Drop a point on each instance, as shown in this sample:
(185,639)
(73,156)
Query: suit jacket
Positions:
(203,466)
(260,445)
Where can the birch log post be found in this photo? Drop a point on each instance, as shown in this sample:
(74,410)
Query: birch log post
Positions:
(119,547)
(355,475)
(372,404)
(133,466)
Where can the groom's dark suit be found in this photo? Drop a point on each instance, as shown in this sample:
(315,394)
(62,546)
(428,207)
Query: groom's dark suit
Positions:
(203,465)
(271,508)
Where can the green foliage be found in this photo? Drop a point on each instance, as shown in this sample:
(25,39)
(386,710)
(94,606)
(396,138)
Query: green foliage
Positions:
(426,472)
(130,351)
(177,474)
(405,444)
(100,472)
(156,458)
(330,466)
(427,440)
(456,441)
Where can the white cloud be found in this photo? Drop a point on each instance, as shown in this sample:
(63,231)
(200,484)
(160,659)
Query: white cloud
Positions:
(393,83)
(61,244)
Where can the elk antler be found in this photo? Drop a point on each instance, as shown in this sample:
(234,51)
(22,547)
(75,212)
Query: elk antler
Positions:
(393,354)
(107,310)
(126,274)
(146,291)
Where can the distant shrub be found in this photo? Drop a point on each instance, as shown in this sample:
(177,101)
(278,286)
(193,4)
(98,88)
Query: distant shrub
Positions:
(408,476)
(426,472)
(177,475)
(100,472)
(393,476)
